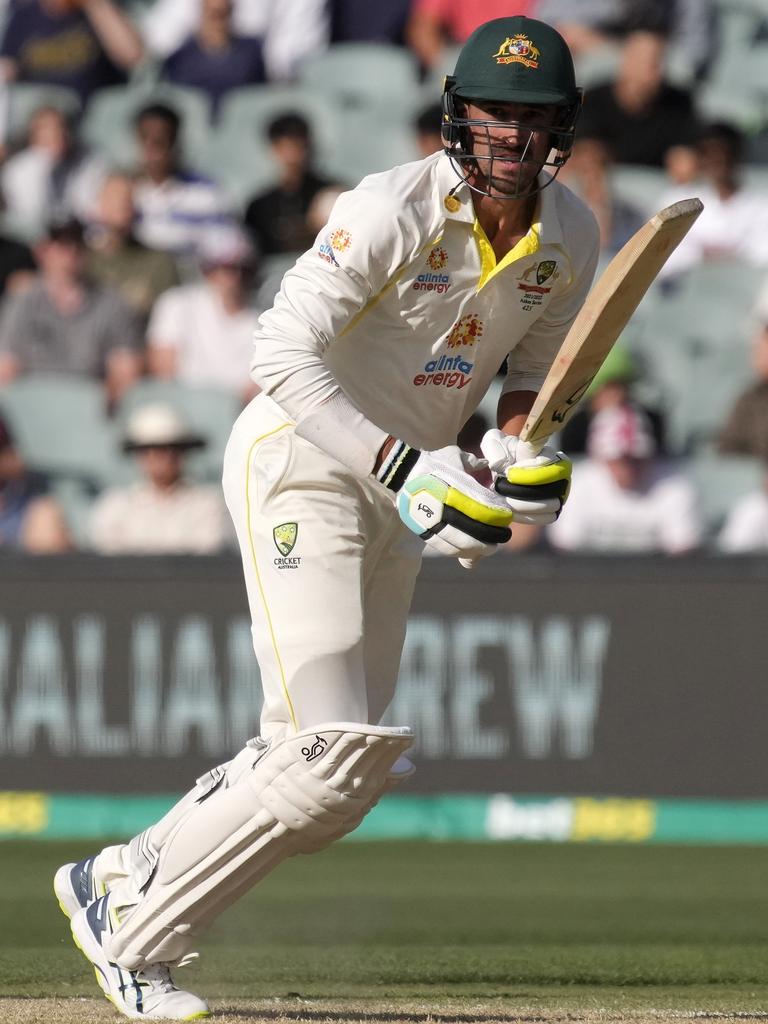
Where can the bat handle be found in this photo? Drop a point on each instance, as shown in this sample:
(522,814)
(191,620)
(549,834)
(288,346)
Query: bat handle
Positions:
(529,449)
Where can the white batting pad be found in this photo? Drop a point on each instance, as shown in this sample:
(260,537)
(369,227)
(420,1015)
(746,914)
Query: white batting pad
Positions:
(304,793)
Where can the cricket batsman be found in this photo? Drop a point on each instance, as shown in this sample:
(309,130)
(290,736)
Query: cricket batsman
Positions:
(381,343)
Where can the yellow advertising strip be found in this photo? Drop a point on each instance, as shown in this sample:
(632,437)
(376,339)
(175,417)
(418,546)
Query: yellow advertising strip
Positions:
(23,814)
(613,820)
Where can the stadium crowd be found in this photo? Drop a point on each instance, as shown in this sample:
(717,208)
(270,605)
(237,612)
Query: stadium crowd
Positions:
(162,163)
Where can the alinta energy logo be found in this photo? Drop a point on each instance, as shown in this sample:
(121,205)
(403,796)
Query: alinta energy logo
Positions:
(453,371)
(465,331)
(338,241)
(434,281)
(341,240)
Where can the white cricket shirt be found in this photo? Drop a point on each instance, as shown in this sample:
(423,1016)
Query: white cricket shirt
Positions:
(402,304)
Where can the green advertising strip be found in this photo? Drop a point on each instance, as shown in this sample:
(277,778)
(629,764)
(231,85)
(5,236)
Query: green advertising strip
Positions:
(448,816)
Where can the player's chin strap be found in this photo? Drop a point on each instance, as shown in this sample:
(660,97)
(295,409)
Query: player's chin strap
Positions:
(302,794)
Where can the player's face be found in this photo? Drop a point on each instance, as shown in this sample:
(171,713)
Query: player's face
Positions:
(510,142)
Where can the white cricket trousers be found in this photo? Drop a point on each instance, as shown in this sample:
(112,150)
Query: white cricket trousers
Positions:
(329,569)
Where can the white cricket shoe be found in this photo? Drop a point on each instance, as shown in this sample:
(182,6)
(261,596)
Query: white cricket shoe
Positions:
(147,994)
(76,886)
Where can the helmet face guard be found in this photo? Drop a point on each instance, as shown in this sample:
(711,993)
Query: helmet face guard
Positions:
(461,133)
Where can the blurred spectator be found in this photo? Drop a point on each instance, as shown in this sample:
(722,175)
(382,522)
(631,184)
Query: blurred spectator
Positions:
(353,22)
(30,520)
(215,59)
(625,499)
(202,334)
(436,25)
(746,526)
(428,129)
(17,266)
(589,25)
(54,177)
(163,513)
(277,218)
(611,388)
(291,31)
(319,212)
(80,44)
(640,112)
(66,324)
(734,221)
(177,210)
(746,429)
(117,258)
(588,174)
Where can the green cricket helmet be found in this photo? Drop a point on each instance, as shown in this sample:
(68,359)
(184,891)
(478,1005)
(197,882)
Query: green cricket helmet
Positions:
(510,60)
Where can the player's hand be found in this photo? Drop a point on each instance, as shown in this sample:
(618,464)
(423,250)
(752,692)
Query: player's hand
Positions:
(438,500)
(535,485)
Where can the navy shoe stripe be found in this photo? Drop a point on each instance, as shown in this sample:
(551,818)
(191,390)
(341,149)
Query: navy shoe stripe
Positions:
(81,879)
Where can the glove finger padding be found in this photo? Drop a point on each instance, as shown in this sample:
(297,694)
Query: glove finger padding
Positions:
(445,506)
(453,521)
(536,493)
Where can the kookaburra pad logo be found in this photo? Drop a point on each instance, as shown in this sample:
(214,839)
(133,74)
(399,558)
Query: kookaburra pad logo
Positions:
(317,748)
(284,537)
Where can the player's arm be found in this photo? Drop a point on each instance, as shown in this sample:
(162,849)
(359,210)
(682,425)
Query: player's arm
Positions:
(358,254)
(536,482)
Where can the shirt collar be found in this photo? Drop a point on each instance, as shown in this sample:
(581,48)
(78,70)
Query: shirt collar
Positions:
(456,202)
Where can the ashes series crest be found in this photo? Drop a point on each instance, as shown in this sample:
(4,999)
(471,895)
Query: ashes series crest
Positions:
(284,537)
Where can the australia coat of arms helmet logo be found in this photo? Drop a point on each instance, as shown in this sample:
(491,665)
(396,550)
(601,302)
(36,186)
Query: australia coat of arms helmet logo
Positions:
(518,49)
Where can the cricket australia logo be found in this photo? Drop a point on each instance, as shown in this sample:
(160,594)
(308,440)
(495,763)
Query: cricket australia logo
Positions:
(284,537)
(545,273)
(465,331)
(545,270)
(518,49)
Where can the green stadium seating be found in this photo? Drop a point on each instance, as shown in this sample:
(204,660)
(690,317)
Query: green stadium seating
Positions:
(24,98)
(108,120)
(60,425)
(719,480)
(365,75)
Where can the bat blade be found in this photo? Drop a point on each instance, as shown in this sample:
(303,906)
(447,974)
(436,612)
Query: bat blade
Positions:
(604,316)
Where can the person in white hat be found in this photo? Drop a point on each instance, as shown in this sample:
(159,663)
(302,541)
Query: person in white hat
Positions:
(162,512)
(625,498)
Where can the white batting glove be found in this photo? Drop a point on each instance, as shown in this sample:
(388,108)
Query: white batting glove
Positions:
(535,484)
(440,502)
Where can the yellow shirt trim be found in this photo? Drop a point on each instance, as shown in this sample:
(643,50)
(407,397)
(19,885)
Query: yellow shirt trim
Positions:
(527,245)
(374,300)
(252,546)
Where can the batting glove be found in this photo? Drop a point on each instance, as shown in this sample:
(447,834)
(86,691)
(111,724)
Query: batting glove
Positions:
(535,485)
(438,500)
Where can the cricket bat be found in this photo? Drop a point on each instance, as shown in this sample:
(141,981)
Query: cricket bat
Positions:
(604,316)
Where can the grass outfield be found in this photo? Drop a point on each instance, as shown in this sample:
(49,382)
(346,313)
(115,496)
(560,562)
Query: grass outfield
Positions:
(437,932)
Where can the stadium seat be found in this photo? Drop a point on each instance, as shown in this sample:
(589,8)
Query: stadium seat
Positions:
(719,480)
(60,425)
(641,187)
(694,341)
(239,152)
(108,121)
(349,142)
(368,75)
(209,412)
(24,98)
